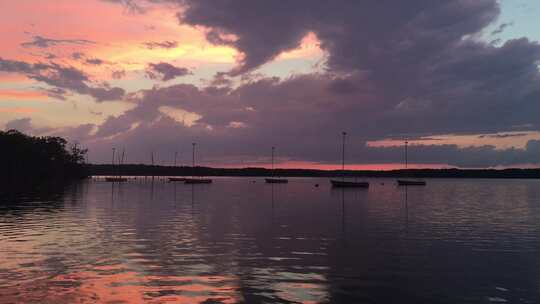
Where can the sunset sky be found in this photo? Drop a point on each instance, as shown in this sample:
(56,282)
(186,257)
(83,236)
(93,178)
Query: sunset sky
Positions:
(458,79)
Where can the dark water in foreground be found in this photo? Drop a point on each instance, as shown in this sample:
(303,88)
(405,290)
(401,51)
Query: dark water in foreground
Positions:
(454,241)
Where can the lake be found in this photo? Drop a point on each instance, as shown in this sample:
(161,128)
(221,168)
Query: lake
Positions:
(241,240)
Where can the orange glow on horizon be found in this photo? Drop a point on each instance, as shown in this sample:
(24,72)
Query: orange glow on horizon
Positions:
(18,110)
(331,167)
(22,95)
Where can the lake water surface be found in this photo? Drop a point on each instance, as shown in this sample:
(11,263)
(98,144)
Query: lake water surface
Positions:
(241,240)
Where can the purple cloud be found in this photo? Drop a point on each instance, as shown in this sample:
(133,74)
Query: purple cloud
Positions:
(165,71)
(43,42)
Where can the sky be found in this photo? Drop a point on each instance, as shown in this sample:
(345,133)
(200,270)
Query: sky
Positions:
(459,80)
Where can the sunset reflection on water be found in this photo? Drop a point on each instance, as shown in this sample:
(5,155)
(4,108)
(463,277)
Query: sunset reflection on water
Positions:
(243,241)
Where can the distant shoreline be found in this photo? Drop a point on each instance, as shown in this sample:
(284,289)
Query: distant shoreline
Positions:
(149,170)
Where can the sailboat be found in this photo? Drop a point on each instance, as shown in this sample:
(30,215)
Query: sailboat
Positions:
(194,180)
(409,182)
(117,178)
(273,180)
(343,183)
(175,178)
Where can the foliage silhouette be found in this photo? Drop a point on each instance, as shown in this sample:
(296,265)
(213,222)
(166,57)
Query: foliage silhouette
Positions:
(28,160)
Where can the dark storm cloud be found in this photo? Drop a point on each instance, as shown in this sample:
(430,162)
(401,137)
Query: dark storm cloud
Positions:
(165,71)
(394,68)
(62,78)
(43,42)
(161,45)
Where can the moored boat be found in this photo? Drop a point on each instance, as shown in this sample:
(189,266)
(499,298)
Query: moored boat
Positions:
(193,179)
(276,180)
(343,183)
(409,182)
(272,180)
(177,179)
(197,181)
(348,184)
(406,182)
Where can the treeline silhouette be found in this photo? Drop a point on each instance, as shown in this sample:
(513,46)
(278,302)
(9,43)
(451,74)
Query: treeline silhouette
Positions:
(149,170)
(28,160)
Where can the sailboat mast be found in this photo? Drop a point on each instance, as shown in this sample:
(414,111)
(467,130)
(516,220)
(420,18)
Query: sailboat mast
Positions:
(153,166)
(343,155)
(175,155)
(273,171)
(406,156)
(193,161)
(113,150)
(122,162)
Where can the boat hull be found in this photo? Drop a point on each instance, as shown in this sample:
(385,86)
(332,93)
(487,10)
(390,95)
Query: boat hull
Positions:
(348,184)
(276,180)
(197,181)
(402,182)
(177,179)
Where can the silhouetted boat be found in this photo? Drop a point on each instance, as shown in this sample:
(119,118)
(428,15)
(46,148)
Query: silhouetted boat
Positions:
(272,180)
(177,179)
(119,178)
(349,184)
(194,180)
(276,180)
(409,182)
(406,182)
(197,181)
(343,183)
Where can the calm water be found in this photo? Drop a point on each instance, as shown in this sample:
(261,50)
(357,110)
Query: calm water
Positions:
(454,241)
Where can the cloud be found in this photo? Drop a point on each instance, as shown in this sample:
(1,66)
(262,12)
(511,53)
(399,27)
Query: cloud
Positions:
(62,78)
(22,124)
(161,45)
(94,61)
(119,74)
(25,125)
(165,71)
(394,69)
(132,6)
(77,55)
(501,28)
(43,42)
